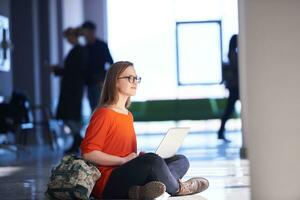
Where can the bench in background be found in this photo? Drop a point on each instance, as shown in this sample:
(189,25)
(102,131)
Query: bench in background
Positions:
(175,109)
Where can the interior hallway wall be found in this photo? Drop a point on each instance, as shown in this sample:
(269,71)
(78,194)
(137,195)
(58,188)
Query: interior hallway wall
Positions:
(5,77)
(72,16)
(55,47)
(95,11)
(270,77)
(30,29)
(25,57)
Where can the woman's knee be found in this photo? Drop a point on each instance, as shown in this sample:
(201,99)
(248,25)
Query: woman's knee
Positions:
(183,159)
(153,159)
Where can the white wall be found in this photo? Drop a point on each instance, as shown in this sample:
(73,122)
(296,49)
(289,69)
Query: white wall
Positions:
(73,16)
(270,77)
(95,11)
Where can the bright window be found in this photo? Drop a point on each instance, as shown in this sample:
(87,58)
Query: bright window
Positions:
(144,32)
(199,52)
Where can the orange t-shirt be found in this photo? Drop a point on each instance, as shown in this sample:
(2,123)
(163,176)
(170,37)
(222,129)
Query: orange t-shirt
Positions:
(112,133)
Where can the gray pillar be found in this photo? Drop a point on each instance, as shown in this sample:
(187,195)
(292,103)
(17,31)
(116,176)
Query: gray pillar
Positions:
(243,80)
(31,36)
(23,31)
(44,48)
(55,47)
(30,27)
(270,77)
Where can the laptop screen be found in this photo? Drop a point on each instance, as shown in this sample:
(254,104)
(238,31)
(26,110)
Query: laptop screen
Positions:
(172,142)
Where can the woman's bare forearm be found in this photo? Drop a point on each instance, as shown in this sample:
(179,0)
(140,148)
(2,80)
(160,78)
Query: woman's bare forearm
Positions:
(104,159)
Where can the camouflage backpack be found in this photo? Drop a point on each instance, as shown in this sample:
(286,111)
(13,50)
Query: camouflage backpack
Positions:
(72,178)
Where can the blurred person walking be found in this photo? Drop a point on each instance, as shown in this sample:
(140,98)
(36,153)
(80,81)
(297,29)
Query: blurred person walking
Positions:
(98,55)
(71,89)
(231,80)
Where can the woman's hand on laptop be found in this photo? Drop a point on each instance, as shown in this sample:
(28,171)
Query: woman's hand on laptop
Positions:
(129,157)
(142,153)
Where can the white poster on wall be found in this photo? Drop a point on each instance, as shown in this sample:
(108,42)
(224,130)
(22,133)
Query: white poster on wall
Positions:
(5,44)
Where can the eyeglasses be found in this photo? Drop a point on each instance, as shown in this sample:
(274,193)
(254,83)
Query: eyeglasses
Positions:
(132,79)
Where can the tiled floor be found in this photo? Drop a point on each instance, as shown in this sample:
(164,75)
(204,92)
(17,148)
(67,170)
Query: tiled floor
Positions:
(25,175)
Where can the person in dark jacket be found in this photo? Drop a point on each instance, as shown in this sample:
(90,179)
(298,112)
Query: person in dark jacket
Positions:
(71,90)
(98,55)
(232,84)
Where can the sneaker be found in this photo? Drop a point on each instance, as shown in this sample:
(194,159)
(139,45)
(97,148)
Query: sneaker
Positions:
(224,140)
(192,186)
(149,191)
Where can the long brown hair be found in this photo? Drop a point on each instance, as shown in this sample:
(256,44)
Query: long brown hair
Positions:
(109,91)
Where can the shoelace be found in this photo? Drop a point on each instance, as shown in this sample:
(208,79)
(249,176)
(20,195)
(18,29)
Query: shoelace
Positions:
(189,186)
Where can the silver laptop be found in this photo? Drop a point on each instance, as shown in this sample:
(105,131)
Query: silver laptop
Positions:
(172,142)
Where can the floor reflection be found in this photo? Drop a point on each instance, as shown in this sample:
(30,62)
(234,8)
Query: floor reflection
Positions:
(24,175)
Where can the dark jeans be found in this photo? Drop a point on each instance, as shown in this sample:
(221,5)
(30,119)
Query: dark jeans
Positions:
(143,169)
(93,93)
(233,97)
